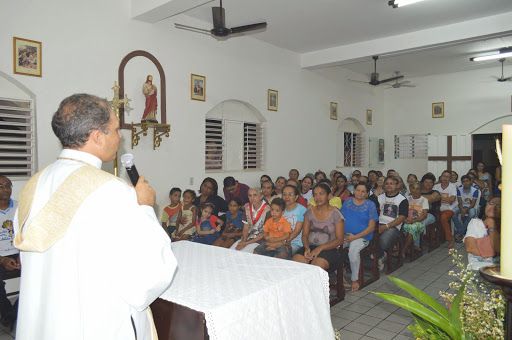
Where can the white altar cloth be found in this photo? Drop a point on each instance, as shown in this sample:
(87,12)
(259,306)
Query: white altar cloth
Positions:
(248,296)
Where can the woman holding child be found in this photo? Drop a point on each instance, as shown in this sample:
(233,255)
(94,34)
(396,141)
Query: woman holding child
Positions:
(322,232)
(208,194)
(361,217)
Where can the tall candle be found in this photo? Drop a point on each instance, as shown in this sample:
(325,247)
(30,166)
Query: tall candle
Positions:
(506,204)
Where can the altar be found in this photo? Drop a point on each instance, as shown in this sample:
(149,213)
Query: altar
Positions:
(235,295)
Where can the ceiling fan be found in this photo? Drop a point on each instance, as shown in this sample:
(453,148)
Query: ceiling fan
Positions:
(374,77)
(219,29)
(398,84)
(502,78)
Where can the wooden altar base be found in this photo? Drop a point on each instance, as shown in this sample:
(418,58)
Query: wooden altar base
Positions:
(175,322)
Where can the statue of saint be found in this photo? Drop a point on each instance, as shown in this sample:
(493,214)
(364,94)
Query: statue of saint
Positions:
(150,92)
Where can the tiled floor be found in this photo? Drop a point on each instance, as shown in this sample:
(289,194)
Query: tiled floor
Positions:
(364,316)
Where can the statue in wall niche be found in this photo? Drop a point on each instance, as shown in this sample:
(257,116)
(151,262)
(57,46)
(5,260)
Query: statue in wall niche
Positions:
(150,92)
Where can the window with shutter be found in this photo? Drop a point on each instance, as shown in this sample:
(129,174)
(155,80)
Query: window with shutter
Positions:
(214,144)
(17,138)
(352,149)
(411,146)
(253,146)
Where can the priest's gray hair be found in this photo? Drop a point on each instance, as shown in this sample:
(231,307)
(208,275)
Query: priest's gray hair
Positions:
(79,115)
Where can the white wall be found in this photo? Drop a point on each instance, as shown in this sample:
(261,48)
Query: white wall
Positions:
(471,99)
(84,42)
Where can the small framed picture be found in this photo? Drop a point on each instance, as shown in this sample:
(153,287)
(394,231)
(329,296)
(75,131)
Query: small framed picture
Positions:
(27,57)
(333,111)
(272,100)
(369,117)
(197,87)
(438,110)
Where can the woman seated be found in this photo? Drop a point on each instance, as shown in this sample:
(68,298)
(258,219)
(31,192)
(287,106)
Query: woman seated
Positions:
(360,220)
(294,213)
(208,225)
(322,232)
(340,186)
(482,240)
(414,225)
(267,190)
(256,212)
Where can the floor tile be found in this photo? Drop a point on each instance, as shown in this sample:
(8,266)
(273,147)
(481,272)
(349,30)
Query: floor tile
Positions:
(348,335)
(359,328)
(381,334)
(391,326)
(338,322)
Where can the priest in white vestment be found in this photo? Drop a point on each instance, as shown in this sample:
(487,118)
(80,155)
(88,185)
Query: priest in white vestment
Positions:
(93,253)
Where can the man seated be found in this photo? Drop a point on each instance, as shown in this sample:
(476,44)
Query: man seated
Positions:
(9,258)
(234,189)
(467,196)
(394,209)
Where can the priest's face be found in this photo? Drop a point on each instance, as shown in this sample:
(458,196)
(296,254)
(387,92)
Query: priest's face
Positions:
(111,139)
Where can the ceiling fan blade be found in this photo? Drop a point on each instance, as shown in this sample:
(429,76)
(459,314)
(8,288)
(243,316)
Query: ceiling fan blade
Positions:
(219,17)
(191,28)
(389,79)
(246,28)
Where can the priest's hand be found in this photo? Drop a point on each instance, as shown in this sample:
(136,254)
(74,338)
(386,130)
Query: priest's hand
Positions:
(9,263)
(145,193)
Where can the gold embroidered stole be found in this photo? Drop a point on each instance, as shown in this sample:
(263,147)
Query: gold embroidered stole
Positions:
(51,223)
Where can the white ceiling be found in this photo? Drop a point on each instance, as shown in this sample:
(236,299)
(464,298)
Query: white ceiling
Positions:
(309,25)
(437,61)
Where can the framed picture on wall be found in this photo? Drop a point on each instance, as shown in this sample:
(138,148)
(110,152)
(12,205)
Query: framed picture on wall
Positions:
(272,100)
(197,87)
(27,57)
(438,110)
(333,110)
(369,117)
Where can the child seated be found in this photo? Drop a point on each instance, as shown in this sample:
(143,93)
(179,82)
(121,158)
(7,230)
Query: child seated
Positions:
(276,231)
(170,213)
(208,226)
(234,225)
(186,219)
(414,226)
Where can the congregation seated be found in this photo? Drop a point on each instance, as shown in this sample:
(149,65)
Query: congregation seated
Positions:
(448,193)
(360,216)
(322,232)
(467,196)
(208,226)
(394,209)
(208,193)
(186,219)
(276,231)
(301,200)
(414,225)
(256,211)
(234,189)
(340,187)
(306,190)
(234,225)
(294,214)
(482,239)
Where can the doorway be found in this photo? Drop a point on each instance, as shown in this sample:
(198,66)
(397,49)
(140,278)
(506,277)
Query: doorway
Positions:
(484,150)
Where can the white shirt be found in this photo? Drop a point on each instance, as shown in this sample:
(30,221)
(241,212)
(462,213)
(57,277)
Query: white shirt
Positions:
(6,229)
(113,261)
(450,190)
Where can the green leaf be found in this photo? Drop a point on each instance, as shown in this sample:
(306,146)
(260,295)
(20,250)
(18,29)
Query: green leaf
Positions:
(428,328)
(423,312)
(421,296)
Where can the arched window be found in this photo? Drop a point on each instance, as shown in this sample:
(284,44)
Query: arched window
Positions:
(350,143)
(17,129)
(234,137)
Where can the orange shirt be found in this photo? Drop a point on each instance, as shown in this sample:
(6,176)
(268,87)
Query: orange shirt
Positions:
(277,229)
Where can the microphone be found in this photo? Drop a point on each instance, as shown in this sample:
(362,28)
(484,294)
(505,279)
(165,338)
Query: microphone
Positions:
(127,161)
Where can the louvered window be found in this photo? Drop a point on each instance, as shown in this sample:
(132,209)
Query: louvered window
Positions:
(253,146)
(352,149)
(17,138)
(411,146)
(214,144)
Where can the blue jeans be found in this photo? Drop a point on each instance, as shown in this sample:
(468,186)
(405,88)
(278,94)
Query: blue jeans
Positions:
(461,222)
(387,239)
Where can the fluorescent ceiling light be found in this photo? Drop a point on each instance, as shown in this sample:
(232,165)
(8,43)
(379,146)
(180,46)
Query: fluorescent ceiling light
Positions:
(502,53)
(401,3)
